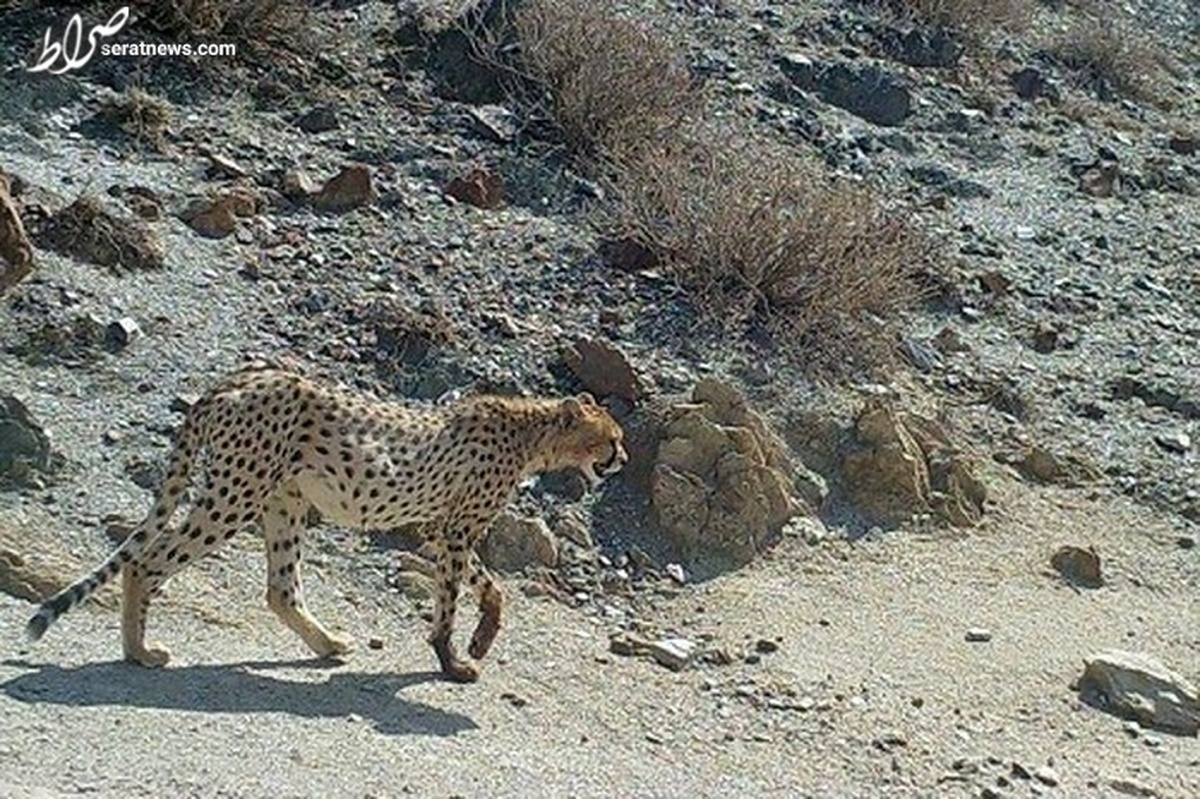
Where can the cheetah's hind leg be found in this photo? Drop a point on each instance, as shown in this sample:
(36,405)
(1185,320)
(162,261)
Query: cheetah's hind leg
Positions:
(283,529)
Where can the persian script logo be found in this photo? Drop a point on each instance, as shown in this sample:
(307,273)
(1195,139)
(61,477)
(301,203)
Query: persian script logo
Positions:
(71,46)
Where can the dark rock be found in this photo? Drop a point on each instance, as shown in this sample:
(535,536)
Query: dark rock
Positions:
(479,187)
(87,231)
(603,370)
(1078,566)
(24,446)
(945,181)
(865,90)
(319,119)
(1030,83)
(349,189)
(923,48)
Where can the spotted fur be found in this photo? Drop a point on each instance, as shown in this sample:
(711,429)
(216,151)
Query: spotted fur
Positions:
(278,443)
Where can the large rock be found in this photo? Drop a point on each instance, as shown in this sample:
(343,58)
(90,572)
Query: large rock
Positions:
(24,446)
(515,542)
(16,252)
(345,191)
(603,369)
(87,230)
(36,567)
(866,90)
(904,465)
(1139,687)
(723,483)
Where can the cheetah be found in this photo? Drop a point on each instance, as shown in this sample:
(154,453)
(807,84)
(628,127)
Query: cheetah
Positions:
(279,443)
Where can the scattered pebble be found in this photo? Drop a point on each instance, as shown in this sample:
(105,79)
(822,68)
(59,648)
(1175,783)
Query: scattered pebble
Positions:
(978,635)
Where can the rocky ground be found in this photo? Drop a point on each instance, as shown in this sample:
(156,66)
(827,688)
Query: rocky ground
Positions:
(861,652)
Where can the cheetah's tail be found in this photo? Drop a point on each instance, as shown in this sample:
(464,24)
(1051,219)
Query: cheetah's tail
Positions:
(183,457)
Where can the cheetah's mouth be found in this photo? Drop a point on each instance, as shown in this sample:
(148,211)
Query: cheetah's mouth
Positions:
(597,470)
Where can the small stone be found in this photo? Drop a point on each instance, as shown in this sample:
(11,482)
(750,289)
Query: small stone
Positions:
(479,187)
(223,166)
(182,403)
(1176,441)
(948,341)
(296,185)
(1186,542)
(349,189)
(889,741)
(674,653)
(765,646)
(375,642)
(121,333)
(994,282)
(1046,775)
(676,573)
(514,699)
(1184,144)
(319,119)
(624,646)
(1132,788)
(1046,338)
(978,635)
(514,542)
(1078,566)
(497,121)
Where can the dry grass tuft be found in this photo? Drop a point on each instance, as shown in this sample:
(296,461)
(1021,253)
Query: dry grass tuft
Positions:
(219,20)
(145,117)
(978,17)
(1104,50)
(608,82)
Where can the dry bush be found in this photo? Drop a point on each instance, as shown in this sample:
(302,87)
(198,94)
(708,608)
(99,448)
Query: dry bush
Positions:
(971,16)
(1105,49)
(759,236)
(214,20)
(143,116)
(608,83)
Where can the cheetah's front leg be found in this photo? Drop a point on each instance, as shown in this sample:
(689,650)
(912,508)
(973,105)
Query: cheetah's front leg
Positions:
(450,565)
(491,602)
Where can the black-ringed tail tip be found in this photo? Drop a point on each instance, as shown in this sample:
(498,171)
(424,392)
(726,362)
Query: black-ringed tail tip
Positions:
(50,610)
(37,626)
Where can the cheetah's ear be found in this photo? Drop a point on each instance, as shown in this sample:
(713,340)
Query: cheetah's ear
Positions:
(571,412)
(585,398)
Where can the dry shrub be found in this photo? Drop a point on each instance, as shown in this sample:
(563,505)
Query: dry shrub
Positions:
(215,20)
(609,83)
(1102,48)
(144,116)
(758,235)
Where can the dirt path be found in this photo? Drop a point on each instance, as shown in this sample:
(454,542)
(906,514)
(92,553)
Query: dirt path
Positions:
(872,691)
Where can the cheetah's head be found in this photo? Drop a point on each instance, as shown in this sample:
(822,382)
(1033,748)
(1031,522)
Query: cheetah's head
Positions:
(589,439)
